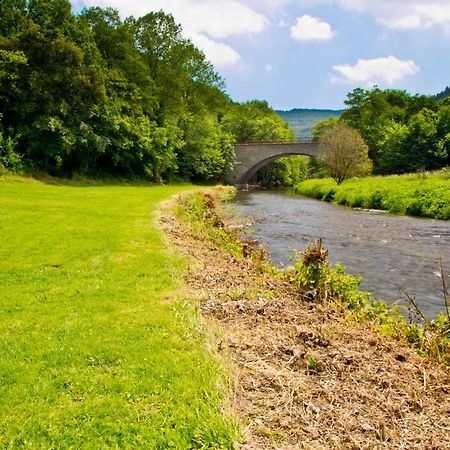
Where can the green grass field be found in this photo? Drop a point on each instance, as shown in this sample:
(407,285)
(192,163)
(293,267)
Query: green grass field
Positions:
(98,349)
(426,195)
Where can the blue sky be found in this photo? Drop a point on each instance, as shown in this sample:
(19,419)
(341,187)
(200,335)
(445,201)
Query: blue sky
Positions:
(310,53)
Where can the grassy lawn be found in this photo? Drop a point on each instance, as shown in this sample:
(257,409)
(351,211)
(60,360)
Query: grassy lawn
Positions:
(97,350)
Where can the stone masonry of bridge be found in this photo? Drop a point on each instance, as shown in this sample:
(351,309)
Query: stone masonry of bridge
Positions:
(250,157)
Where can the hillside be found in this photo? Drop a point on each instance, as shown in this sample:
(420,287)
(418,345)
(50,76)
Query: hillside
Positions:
(445,93)
(302,120)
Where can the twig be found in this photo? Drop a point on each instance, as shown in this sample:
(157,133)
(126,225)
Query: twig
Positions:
(444,288)
(419,311)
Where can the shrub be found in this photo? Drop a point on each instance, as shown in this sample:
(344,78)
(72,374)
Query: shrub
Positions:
(312,272)
(9,158)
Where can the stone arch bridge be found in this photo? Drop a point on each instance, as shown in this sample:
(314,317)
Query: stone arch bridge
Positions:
(252,156)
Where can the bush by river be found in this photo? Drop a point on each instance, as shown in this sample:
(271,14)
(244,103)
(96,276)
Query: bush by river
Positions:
(426,195)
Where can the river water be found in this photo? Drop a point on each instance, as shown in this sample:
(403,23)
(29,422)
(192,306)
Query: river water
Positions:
(391,253)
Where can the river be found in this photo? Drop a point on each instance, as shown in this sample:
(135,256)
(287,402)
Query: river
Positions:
(391,253)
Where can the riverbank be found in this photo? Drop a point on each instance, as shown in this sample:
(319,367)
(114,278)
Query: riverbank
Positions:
(307,374)
(425,195)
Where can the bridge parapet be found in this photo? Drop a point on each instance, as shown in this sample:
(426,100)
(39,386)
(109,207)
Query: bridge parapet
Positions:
(298,141)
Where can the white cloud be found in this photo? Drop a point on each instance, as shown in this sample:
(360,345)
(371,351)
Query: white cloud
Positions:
(416,14)
(386,70)
(219,54)
(421,16)
(309,28)
(271,4)
(397,14)
(268,67)
(218,19)
(206,22)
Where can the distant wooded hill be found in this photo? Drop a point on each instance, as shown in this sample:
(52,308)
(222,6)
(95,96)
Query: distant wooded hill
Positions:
(445,93)
(301,121)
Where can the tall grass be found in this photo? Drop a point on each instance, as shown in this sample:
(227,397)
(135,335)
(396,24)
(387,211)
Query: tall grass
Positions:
(426,195)
(98,349)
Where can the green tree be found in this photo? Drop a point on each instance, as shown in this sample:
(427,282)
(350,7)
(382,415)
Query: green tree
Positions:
(9,158)
(98,95)
(443,128)
(420,144)
(424,148)
(344,152)
(256,121)
(392,158)
(370,110)
(380,116)
(287,171)
(13,14)
(55,89)
(321,126)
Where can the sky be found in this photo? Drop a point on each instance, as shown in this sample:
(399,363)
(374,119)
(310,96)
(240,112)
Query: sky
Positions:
(311,53)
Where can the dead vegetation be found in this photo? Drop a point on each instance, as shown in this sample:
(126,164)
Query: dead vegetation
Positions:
(305,377)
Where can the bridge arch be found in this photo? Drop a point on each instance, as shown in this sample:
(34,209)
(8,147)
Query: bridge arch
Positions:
(245,178)
(250,157)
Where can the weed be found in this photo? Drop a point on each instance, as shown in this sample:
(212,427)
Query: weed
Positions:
(312,363)
(311,272)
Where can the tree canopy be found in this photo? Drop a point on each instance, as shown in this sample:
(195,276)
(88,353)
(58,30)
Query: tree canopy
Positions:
(444,94)
(404,133)
(344,152)
(97,95)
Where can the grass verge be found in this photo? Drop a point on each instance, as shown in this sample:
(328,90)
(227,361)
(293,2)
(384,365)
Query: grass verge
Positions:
(98,348)
(426,195)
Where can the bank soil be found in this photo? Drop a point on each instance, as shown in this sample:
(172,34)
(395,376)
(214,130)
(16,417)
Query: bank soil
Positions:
(304,377)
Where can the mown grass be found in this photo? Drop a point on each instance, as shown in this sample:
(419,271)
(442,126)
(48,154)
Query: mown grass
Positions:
(426,194)
(97,350)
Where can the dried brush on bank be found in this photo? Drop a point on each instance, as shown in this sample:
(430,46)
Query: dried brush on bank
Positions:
(431,337)
(307,378)
(312,272)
